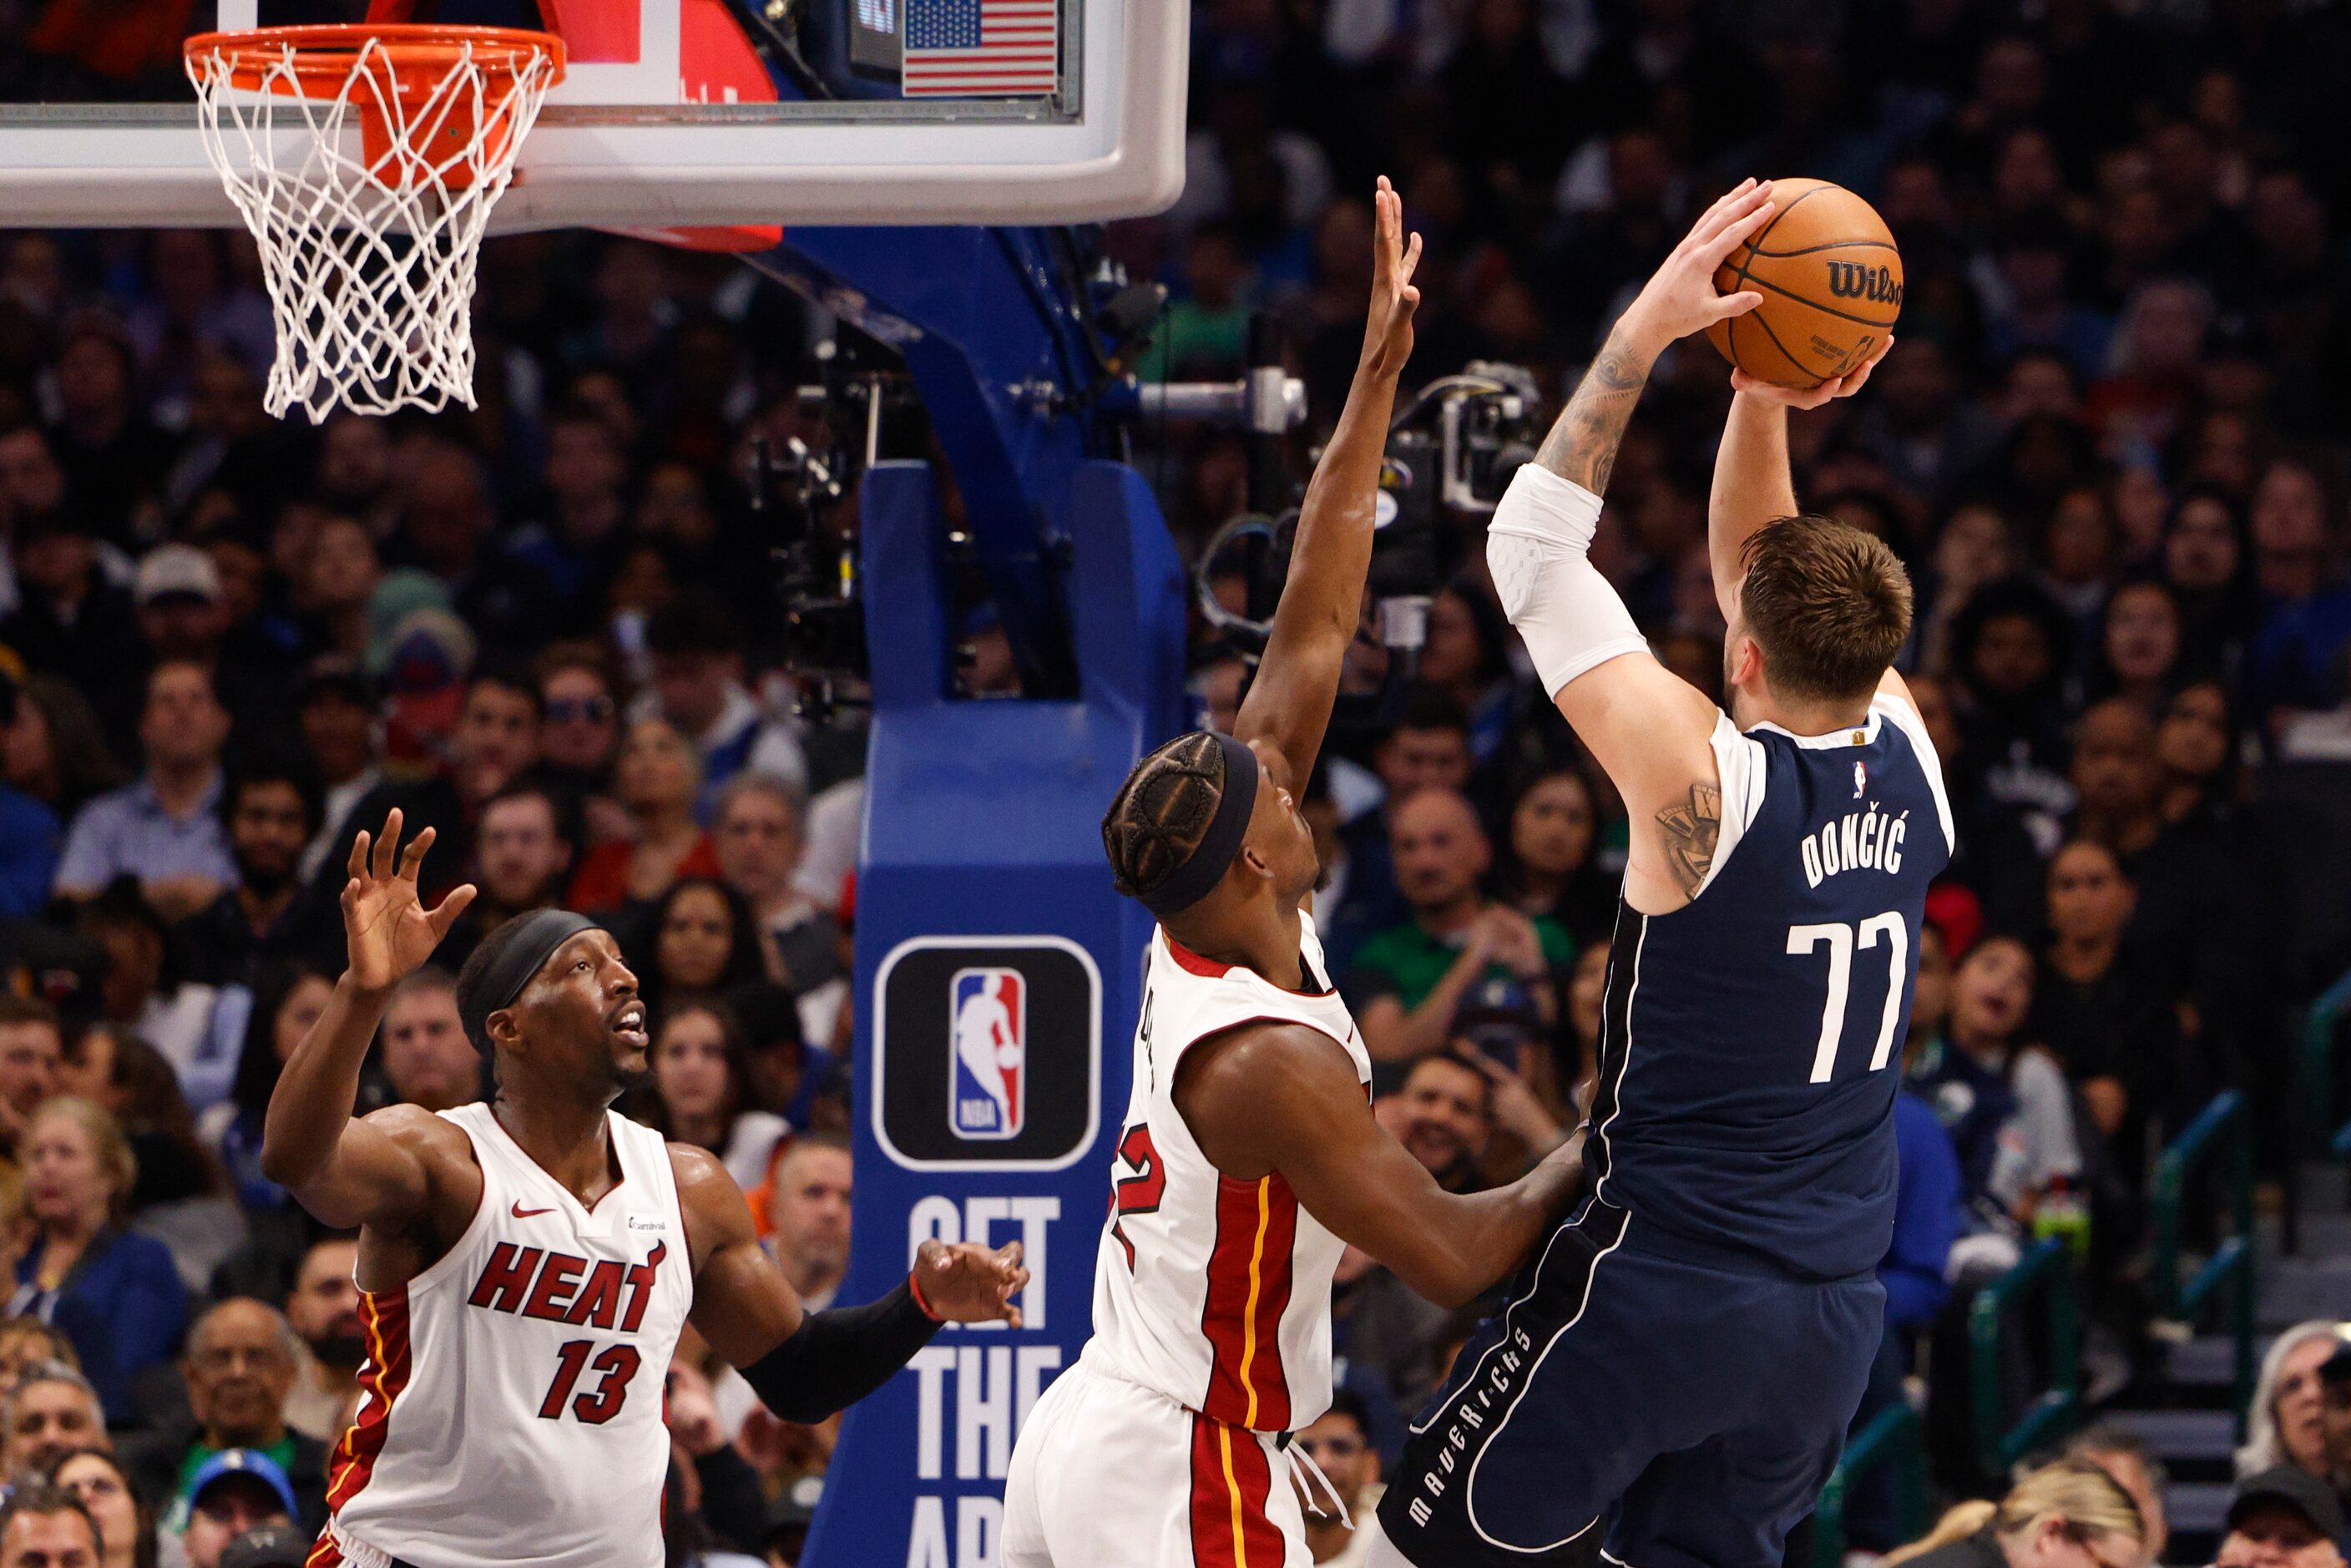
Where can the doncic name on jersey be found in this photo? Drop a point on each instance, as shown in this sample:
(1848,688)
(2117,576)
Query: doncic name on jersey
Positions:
(989,1051)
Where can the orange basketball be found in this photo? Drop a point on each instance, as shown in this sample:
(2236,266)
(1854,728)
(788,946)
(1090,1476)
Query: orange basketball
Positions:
(1832,284)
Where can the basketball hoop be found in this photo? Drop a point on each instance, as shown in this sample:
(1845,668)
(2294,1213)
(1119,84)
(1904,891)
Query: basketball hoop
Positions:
(370,259)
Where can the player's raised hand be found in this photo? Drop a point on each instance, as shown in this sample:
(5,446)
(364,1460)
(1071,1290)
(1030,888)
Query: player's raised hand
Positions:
(1680,298)
(968,1283)
(386,927)
(1828,392)
(1387,335)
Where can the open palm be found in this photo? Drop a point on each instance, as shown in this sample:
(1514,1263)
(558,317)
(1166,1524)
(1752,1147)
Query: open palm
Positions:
(388,930)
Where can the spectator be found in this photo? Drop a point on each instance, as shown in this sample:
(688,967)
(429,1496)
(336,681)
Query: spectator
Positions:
(287,1002)
(1428,747)
(126,1525)
(233,1494)
(579,697)
(2196,747)
(2004,1101)
(116,1293)
(2283,1518)
(700,1091)
(43,1528)
(2286,1424)
(336,713)
(705,943)
(808,1216)
(72,622)
(659,780)
(577,542)
(26,1343)
(323,1311)
(2066,1513)
(271,814)
(1409,979)
(51,1412)
(30,834)
(697,662)
(2112,1026)
(1443,1113)
(2140,644)
(757,834)
(32,1044)
(495,743)
(1339,1441)
(180,1198)
(1553,847)
(240,1366)
(198,1027)
(164,829)
(427,1058)
(2125,1457)
(523,852)
(51,749)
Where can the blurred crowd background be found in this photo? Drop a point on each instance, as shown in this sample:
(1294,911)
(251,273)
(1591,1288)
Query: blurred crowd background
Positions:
(2109,442)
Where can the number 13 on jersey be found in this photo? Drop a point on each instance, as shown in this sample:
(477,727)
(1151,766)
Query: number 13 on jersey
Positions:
(1841,942)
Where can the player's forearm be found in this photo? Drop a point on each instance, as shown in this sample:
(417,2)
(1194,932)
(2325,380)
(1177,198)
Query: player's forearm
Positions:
(1582,445)
(318,1087)
(1322,597)
(1753,486)
(1496,1228)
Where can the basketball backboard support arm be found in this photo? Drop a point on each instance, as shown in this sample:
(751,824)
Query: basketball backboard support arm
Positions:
(1114,147)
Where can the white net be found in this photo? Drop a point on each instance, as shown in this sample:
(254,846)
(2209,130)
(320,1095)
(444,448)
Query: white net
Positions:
(369,234)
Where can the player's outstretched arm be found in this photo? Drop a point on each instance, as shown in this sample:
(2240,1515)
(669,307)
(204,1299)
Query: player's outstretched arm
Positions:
(805,1365)
(1288,703)
(1647,727)
(373,1171)
(1284,1097)
(1753,483)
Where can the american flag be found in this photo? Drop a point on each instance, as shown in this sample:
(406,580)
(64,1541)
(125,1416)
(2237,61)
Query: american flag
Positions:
(981,49)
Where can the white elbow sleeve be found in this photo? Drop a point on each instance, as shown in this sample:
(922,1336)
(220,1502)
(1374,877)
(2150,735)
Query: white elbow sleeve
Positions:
(1539,549)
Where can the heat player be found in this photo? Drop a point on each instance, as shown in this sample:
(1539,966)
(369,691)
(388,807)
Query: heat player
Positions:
(1249,1154)
(525,1266)
(1673,1376)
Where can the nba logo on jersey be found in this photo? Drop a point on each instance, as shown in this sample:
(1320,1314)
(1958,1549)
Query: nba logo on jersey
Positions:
(988,1010)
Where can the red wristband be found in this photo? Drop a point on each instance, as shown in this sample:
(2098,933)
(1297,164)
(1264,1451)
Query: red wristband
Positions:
(914,1286)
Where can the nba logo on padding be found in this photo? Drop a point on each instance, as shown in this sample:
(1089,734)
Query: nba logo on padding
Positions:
(988,1011)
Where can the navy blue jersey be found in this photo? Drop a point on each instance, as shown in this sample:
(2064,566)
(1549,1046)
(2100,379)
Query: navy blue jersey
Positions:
(1752,1043)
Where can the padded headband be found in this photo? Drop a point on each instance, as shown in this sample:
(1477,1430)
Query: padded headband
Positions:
(1208,862)
(501,980)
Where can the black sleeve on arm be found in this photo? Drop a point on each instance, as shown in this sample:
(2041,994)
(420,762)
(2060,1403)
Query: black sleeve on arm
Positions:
(732,1503)
(839,1357)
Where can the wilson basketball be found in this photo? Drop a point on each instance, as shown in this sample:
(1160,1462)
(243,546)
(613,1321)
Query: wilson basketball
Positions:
(1832,284)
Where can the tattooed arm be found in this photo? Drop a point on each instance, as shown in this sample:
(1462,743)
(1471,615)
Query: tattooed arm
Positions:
(1649,729)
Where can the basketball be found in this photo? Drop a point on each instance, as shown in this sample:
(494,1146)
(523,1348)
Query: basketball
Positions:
(1832,284)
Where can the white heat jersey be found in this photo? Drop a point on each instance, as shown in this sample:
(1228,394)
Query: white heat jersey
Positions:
(1213,1291)
(513,1390)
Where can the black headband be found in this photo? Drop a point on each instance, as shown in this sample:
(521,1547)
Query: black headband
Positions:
(1213,857)
(537,936)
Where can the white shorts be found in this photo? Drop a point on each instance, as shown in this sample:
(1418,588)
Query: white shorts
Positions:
(1108,1474)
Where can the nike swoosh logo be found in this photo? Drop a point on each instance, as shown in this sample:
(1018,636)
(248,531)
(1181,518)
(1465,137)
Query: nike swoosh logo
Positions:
(522,1213)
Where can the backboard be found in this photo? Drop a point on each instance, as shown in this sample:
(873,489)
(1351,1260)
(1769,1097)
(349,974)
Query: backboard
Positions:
(673,113)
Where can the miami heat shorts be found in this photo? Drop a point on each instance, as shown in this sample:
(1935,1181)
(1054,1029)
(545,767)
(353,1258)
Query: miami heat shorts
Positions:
(1109,1474)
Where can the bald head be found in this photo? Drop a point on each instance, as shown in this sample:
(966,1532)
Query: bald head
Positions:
(1440,850)
(240,1366)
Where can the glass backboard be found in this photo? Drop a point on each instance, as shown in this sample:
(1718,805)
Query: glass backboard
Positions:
(673,113)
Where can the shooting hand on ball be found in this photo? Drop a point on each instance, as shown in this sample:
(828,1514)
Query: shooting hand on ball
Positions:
(1827,392)
(1681,297)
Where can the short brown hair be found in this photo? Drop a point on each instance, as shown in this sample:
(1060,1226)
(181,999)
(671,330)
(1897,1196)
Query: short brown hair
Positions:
(1828,604)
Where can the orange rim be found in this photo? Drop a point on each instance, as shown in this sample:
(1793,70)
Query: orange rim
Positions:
(325,54)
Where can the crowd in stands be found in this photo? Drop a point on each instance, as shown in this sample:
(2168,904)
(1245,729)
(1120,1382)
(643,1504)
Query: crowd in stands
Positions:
(2108,443)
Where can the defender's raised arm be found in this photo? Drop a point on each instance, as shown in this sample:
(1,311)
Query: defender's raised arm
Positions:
(1288,703)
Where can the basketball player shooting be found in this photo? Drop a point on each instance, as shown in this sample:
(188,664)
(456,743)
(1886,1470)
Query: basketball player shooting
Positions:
(1671,1381)
(1248,1157)
(525,1266)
